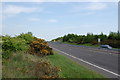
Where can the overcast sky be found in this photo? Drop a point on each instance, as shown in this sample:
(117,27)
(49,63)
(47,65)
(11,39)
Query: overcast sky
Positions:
(49,20)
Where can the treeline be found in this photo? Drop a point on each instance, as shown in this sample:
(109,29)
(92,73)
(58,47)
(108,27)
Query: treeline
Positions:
(113,39)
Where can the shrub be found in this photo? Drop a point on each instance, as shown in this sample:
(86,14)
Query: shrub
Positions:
(12,44)
(94,42)
(27,37)
(113,43)
(6,54)
(39,46)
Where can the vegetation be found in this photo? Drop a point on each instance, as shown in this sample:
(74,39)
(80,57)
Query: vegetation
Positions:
(40,47)
(22,57)
(22,65)
(112,39)
(27,37)
(70,69)
(12,44)
(25,56)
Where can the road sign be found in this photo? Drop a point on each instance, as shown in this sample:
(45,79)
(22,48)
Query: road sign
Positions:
(98,40)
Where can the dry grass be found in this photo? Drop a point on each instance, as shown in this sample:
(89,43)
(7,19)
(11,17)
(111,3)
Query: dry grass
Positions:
(22,65)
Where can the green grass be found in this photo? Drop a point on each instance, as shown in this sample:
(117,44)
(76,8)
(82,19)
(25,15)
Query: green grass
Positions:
(87,44)
(90,45)
(71,69)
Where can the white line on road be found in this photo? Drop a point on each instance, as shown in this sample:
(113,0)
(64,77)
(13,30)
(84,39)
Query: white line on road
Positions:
(88,62)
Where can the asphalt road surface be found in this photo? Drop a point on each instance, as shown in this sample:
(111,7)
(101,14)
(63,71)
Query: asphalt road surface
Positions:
(102,61)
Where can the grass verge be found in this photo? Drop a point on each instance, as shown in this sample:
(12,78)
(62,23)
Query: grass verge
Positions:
(71,69)
(23,65)
(17,66)
(83,44)
(87,44)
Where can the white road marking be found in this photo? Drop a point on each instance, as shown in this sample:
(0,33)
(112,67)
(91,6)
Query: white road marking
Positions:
(88,63)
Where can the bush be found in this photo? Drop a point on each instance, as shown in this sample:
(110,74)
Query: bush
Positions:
(12,44)
(6,54)
(27,37)
(94,42)
(113,43)
(39,46)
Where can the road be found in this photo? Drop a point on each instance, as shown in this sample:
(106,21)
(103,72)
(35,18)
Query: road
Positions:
(102,61)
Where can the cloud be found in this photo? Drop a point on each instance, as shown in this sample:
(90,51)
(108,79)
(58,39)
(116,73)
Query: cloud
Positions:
(53,21)
(89,8)
(34,19)
(14,10)
(43,20)
(96,6)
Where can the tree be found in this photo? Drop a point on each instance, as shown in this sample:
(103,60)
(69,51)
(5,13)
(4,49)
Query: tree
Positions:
(113,35)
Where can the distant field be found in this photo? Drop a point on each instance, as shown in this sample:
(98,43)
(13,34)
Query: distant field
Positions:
(70,69)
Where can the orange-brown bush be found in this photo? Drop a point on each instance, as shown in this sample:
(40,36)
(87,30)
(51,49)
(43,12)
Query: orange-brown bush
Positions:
(40,47)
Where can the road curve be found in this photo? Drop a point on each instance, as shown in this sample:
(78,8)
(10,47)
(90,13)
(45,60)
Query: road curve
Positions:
(104,62)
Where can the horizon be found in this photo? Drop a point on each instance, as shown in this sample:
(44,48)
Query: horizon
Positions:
(59,36)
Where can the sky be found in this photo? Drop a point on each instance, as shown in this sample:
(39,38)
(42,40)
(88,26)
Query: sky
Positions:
(49,20)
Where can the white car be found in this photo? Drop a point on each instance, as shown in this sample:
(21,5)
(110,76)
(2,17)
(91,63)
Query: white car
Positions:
(105,46)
